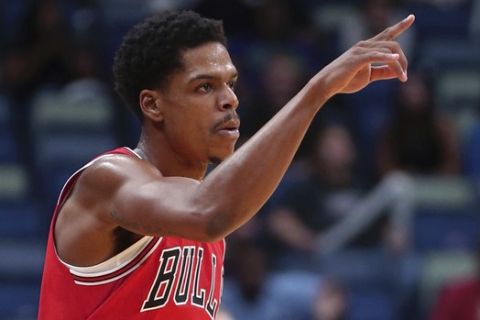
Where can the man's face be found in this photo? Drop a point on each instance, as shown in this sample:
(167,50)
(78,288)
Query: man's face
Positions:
(200,121)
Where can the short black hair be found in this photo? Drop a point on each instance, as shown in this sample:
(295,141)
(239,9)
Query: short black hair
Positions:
(151,51)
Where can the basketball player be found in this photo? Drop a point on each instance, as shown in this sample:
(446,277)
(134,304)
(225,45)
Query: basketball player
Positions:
(139,234)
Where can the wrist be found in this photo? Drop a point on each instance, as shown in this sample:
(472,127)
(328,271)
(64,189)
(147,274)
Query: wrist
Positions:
(318,91)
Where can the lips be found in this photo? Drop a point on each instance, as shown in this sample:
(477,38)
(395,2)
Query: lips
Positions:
(229,129)
(232,124)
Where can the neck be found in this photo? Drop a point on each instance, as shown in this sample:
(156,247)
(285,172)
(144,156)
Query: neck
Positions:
(154,148)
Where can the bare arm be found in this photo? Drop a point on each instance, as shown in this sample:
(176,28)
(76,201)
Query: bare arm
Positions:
(138,198)
(235,191)
(237,188)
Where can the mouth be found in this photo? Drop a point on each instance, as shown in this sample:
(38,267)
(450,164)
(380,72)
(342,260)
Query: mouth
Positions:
(230,129)
(229,133)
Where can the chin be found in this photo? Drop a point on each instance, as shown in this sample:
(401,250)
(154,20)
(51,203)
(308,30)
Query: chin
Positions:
(215,161)
(219,156)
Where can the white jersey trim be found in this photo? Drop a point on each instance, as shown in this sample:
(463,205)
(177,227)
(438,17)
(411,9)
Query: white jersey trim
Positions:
(108,266)
(134,152)
(113,264)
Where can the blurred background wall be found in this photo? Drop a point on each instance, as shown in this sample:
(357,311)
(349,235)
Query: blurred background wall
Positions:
(378,216)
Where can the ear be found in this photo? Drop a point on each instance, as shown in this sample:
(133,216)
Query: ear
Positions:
(150,103)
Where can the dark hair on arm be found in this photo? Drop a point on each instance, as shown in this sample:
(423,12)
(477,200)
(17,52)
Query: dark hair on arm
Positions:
(152,50)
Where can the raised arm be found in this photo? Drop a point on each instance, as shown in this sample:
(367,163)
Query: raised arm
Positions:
(132,194)
(238,187)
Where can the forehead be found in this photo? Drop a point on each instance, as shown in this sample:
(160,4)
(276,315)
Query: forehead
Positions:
(211,58)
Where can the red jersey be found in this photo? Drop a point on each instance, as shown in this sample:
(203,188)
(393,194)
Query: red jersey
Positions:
(459,301)
(164,278)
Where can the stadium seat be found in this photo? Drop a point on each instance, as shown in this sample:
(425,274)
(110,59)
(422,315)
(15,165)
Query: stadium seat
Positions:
(8,143)
(436,23)
(73,149)
(14,182)
(294,292)
(445,54)
(285,295)
(20,214)
(445,229)
(445,215)
(370,109)
(11,16)
(80,106)
(458,88)
(61,156)
(21,220)
(70,127)
(330,16)
(443,191)
(19,301)
(357,267)
(21,259)
(371,304)
(74,123)
(117,17)
(20,276)
(471,153)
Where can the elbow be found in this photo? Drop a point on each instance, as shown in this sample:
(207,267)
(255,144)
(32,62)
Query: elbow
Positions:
(214,226)
(225,221)
(206,225)
(208,234)
(216,218)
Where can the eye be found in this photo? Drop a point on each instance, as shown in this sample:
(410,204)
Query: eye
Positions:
(205,87)
(232,84)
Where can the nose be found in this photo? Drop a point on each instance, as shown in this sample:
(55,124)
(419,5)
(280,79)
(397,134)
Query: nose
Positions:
(227,99)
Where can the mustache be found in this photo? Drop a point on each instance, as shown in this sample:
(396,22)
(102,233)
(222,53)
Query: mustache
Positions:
(232,115)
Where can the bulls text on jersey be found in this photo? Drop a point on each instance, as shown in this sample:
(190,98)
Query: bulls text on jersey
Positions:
(183,264)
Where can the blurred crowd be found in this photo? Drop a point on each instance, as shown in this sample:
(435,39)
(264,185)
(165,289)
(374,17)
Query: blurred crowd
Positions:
(378,216)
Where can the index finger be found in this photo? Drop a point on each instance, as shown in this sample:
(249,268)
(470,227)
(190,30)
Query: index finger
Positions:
(394,31)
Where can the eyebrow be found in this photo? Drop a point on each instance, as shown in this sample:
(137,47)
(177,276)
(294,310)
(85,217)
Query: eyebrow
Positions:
(204,76)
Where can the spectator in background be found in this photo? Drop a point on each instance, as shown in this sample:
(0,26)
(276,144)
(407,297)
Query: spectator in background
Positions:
(275,45)
(328,192)
(287,26)
(247,294)
(42,54)
(330,209)
(460,300)
(330,301)
(280,20)
(282,76)
(236,15)
(374,15)
(370,108)
(224,315)
(418,139)
(254,292)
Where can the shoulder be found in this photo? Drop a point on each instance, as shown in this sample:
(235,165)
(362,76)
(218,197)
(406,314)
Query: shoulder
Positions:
(109,172)
(98,183)
(84,218)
